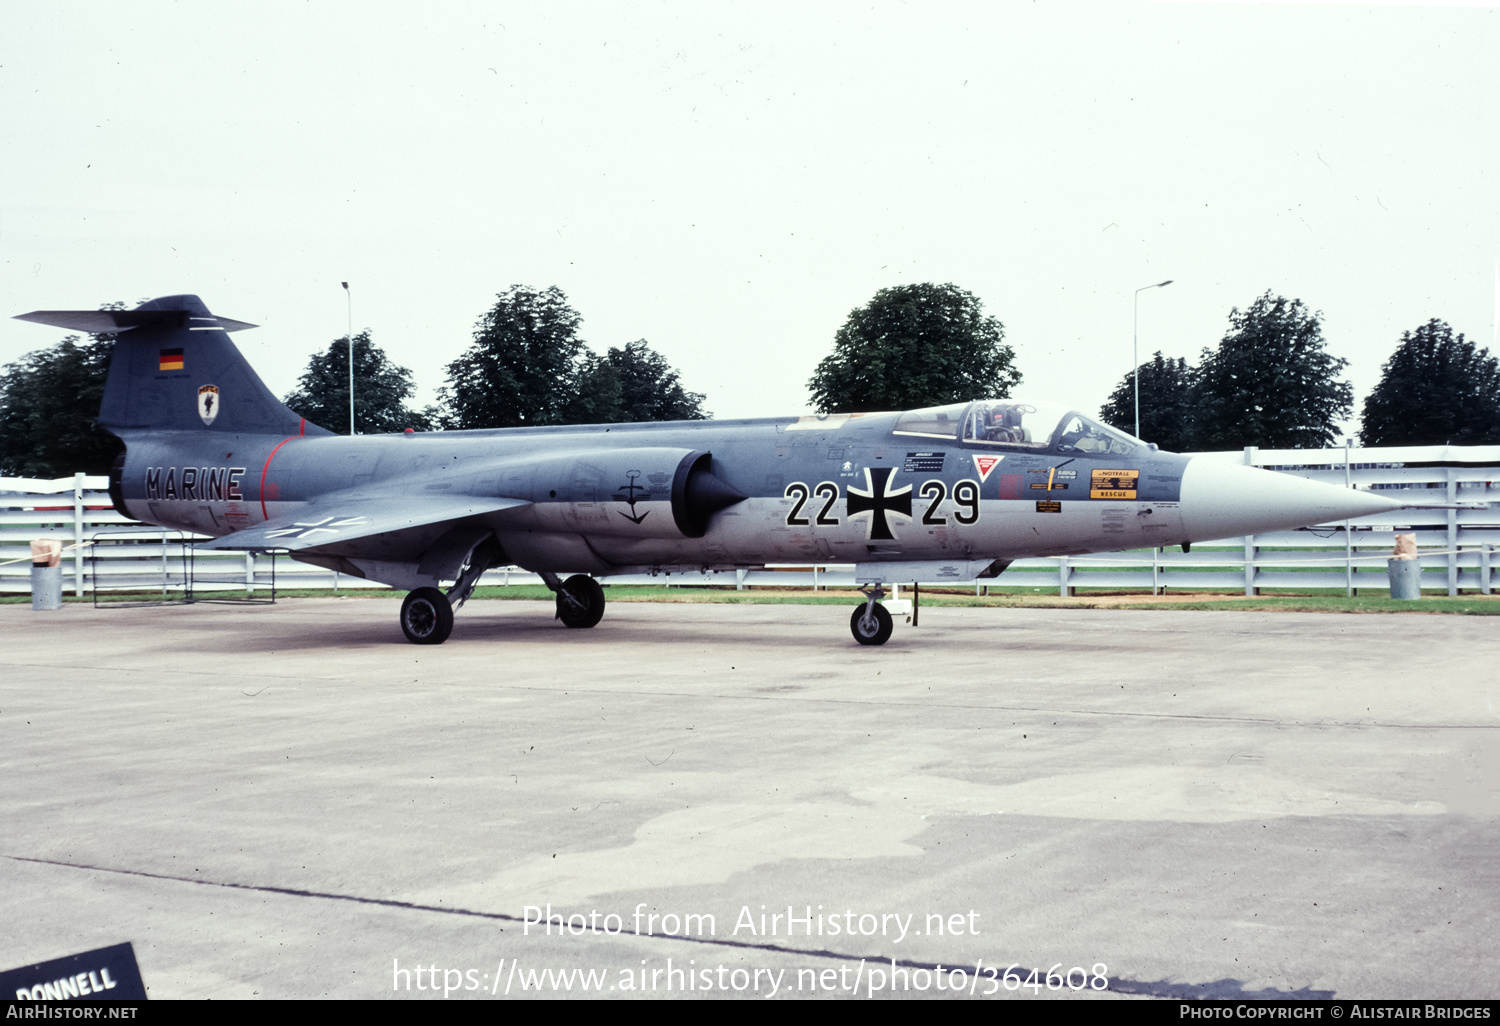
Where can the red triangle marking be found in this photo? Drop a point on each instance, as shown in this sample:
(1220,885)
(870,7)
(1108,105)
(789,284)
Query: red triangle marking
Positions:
(985,465)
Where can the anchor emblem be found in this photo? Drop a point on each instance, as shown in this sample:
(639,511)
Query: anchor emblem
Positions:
(628,496)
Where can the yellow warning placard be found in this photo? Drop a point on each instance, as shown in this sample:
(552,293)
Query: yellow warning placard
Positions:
(1113,484)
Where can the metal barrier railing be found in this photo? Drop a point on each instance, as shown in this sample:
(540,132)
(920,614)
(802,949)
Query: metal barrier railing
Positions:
(165,564)
(1455,542)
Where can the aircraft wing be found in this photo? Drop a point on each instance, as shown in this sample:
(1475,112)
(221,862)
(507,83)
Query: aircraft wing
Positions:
(342,517)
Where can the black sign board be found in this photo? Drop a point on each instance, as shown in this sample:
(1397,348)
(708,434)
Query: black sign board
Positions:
(923,463)
(105,974)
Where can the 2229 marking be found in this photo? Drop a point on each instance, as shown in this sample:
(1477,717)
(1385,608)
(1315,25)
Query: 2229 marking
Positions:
(965,498)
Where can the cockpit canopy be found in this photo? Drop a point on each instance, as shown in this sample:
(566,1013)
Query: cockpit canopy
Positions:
(1018,424)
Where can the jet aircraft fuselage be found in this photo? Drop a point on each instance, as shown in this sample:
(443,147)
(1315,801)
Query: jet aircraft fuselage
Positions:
(599,499)
(951,493)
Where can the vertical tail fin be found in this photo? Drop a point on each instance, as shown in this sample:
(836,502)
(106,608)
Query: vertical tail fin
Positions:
(175,368)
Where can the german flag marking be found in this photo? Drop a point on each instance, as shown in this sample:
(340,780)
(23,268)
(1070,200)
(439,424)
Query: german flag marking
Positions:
(171,359)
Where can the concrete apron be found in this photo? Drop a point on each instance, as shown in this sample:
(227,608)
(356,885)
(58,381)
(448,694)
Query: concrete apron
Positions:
(291,801)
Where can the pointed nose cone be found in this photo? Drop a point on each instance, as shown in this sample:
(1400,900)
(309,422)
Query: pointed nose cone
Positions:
(1224,500)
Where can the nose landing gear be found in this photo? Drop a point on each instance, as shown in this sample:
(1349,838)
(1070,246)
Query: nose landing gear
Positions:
(871,622)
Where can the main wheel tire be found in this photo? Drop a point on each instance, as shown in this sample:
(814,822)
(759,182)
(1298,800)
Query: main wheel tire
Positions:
(876,630)
(589,597)
(426,617)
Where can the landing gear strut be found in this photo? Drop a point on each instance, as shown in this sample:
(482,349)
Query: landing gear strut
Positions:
(427,614)
(480,558)
(871,623)
(580,599)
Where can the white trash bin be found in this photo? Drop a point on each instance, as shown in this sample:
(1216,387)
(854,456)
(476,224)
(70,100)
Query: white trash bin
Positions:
(1404,569)
(46,574)
(46,587)
(1406,578)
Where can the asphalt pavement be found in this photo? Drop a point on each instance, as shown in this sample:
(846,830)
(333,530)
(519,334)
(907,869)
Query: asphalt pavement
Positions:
(292,801)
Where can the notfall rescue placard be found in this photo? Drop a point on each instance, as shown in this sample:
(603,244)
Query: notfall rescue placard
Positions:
(1113,484)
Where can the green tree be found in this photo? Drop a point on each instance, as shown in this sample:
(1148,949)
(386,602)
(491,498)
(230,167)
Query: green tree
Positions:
(1166,385)
(632,383)
(49,409)
(522,367)
(1270,383)
(914,346)
(380,390)
(1435,389)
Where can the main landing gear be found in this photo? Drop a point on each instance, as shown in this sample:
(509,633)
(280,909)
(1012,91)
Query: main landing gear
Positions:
(580,599)
(426,617)
(427,613)
(871,622)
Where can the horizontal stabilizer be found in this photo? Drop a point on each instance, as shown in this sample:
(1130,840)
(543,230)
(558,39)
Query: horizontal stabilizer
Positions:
(173,368)
(98,322)
(344,516)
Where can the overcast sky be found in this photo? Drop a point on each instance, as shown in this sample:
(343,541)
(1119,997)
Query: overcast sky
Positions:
(728,181)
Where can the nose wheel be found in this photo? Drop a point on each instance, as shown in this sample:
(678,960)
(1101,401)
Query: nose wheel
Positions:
(871,622)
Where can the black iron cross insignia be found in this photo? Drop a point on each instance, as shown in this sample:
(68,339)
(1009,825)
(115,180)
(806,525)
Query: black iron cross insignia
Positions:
(877,501)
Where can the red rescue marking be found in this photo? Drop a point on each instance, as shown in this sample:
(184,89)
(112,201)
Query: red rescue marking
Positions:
(263,511)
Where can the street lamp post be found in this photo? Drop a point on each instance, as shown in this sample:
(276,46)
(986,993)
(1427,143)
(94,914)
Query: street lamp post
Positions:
(349,296)
(1135,348)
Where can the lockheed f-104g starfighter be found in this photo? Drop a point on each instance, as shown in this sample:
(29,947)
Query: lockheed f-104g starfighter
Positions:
(950,494)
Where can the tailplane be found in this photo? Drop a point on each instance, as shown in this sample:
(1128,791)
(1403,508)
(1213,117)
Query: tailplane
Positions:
(174,368)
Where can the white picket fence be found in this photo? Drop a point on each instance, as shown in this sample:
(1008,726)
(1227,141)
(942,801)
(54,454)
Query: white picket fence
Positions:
(105,551)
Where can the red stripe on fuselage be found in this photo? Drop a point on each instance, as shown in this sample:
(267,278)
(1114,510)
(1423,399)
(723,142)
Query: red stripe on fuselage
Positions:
(263,510)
